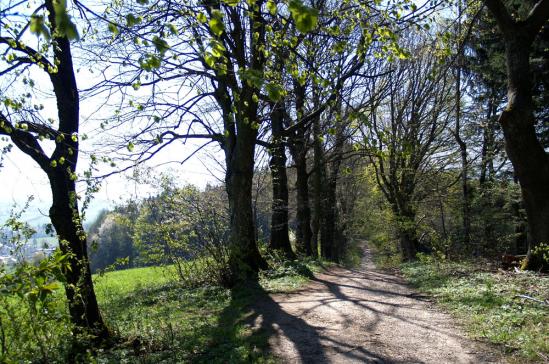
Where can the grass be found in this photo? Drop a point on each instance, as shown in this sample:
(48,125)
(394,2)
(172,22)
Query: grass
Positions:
(488,304)
(162,321)
(155,318)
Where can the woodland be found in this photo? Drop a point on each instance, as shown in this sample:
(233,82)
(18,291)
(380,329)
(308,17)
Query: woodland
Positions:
(417,129)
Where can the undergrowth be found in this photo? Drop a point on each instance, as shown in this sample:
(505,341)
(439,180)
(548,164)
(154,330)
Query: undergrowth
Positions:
(490,303)
(157,318)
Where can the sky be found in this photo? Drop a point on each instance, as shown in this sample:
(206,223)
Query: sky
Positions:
(20,177)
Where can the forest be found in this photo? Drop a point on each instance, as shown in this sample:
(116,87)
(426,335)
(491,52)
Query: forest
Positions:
(374,159)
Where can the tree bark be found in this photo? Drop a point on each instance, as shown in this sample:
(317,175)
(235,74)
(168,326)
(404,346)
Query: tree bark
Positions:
(408,245)
(65,218)
(60,168)
(407,233)
(529,159)
(304,232)
(279,221)
(64,213)
(298,148)
(466,218)
(245,261)
(328,230)
(319,175)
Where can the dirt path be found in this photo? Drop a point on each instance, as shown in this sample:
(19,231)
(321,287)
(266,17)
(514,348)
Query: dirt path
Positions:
(363,316)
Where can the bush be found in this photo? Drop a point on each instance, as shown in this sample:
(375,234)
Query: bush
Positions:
(34,322)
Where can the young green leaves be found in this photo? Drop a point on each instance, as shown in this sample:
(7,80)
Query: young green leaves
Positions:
(305,18)
(216,23)
(64,24)
(38,26)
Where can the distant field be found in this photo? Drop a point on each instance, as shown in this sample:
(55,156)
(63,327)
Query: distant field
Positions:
(123,282)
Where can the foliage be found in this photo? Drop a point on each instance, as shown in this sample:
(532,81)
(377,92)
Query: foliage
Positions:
(183,227)
(287,275)
(373,219)
(34,322)
(489,303)
(110,239)
(496,215)
(179,227)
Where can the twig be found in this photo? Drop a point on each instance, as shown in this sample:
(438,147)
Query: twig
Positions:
(532,299)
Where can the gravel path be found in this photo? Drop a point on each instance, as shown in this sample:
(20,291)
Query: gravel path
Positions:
(363,316)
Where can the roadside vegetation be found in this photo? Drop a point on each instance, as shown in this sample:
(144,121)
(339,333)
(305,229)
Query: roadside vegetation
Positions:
(154,318)
(324,123)
(507,308)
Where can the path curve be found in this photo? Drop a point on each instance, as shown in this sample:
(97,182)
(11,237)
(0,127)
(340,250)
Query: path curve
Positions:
(363,316)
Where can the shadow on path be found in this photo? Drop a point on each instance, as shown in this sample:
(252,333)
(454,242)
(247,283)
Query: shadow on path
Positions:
(311,344)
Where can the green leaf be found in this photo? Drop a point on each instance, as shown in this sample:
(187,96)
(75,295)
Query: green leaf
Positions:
(64,25)
(201,17)
(305,18)
(161,45)
(209,59)
(216,26)
(274,91)
(271,6)
(150,62)
(131,147)
(38,27)
(173,29)
(113,28)
(49,288)
(131,20)
(231,2)
(252,77)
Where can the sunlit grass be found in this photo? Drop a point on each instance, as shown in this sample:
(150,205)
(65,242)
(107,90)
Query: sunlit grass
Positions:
(155,317)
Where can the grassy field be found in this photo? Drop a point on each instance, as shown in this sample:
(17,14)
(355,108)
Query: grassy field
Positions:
(162,321)
(154,318)
(489,305)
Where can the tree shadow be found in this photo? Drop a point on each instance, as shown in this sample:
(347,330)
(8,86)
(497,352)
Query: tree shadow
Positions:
(274,327)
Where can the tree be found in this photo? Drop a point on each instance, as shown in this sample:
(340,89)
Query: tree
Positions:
(404,130)
(280,238)
(529,159)
(26,132)
(224,48)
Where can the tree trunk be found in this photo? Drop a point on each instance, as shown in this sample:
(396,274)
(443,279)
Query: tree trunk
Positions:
(488,145)
(328,230)
(304,232)
(529,159)
(408,244)
(487,174)
(318,180)
(466,218)
(245,261)
(330,246)
(279,221)
(64,215)
(407,231)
